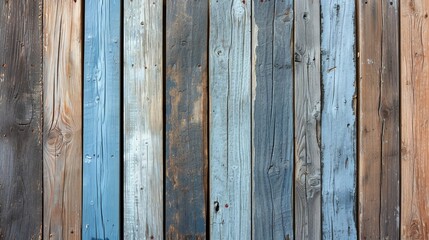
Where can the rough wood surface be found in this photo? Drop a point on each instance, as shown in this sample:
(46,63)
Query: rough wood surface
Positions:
(272,87)
(143,120)
(415,118)
(230,131)
(62,128)
(101,114)
(338,119)
(21,160)
(378,120)
(307,120)
(186,119)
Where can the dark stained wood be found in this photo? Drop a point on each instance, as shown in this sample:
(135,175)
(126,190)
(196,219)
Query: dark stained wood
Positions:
(21,160)
(272,120)
(378,119)
(186,119)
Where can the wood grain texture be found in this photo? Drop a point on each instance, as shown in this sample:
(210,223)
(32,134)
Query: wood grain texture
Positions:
(272,87)
(143,120)
(186,119)
(307,120)
(338,119)
(101,166)
(230,120)
(21,160)
(62,127)
(378,120)
(415,117)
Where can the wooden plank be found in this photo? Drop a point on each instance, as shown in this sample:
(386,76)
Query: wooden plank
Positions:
(62,128)
(100,209)
(414,119)
(378,120)
(272,86)
(338,119)
(21,160)
(143,119)
(230,120)
(307,120)
(186,119)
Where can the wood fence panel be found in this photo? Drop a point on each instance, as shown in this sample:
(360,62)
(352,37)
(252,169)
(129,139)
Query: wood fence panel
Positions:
(307,120)
(186,119)
(62,129)
(338,119)
(21,160)
(230,122)
(415,118)
(378,120)
(101,114)
(143,120)
(272,97)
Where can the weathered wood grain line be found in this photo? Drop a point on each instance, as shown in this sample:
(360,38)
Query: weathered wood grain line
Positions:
(21,159)
(414,49)
(186,119)
(307,120)
(338,119)
(378,120)
(62,128)
(230,120)
(272,96)
(101,114)
(143,120)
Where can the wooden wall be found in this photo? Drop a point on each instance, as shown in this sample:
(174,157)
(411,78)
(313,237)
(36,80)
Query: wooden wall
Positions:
(198,119)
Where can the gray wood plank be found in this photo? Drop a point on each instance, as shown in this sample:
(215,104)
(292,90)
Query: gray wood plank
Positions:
(230,120)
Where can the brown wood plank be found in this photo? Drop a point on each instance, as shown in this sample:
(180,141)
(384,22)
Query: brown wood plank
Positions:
(378,119)
(62,133)
(414,119)
(21,161)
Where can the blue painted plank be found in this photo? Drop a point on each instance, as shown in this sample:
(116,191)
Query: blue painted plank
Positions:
(338,119)
(101,166)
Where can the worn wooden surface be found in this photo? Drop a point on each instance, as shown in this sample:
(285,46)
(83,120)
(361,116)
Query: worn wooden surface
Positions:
(378,120)
(230,131)
(101,114)
(415,117)
(21,161)
(338,119)
(143,120)
(62,127)
(186,119)
(272,87)
(307,120)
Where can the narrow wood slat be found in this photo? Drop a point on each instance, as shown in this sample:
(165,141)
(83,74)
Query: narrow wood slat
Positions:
(230,131)
(272,87)
(143,120)
(186,119)
(21,160)
(378,120)
(338,119)
(62,128)
(101,169)
(414,49)
(307,120)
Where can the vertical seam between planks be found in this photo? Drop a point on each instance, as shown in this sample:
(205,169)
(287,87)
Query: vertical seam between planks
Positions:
(121,122)
(82,104)
(42,114)
(164,96)
(398,14)
(207,167)
(357,112)
(251,120)
(292,46)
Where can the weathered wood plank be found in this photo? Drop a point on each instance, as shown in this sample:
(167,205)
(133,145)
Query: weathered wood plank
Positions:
(101,114)
(62,128)
(378,120)
(307,120)
(21,160)
(230,131)
(338,119)
(415,117)
(186,119)
(272,96)
(143,120)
